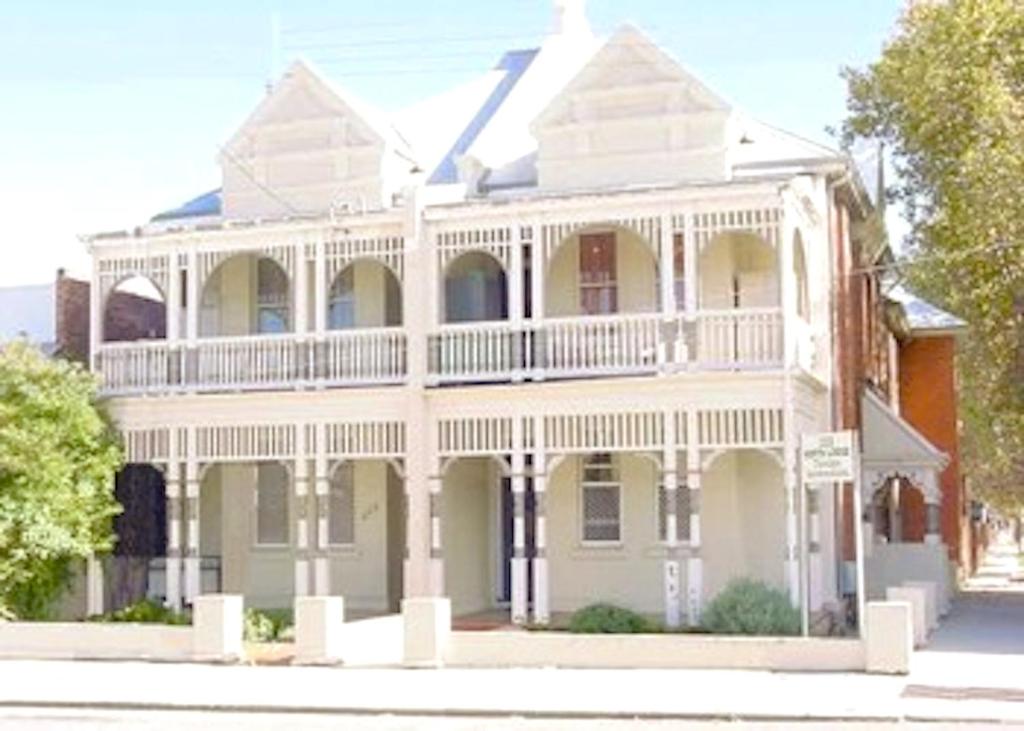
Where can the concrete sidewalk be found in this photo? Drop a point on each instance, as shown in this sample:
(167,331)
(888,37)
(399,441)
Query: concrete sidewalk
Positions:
(963,676)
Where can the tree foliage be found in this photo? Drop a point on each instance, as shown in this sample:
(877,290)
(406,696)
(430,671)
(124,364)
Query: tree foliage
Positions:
(58,457)
(947,98)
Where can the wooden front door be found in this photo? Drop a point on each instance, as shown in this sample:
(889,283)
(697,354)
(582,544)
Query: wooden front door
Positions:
(598,285)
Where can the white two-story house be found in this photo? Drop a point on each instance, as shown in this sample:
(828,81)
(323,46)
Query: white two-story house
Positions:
(547,339)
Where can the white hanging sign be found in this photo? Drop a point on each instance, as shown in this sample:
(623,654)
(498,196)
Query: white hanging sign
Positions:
(828,457)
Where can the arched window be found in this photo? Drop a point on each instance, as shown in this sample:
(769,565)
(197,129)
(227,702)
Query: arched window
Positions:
(271,297)
(341,514)
(475,289)
(601,499)
(341,307)
(365,294)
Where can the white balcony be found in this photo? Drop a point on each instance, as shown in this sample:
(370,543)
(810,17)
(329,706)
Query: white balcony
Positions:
(590,347)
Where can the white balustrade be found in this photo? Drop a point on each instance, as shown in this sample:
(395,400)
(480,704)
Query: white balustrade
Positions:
(739,339)
(479,351)
(254,361)
(601,345)
(475,352)
(365,356)
(133,367)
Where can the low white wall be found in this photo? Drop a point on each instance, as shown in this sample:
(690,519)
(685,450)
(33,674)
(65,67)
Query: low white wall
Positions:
(378,641)
(94,641)
(892,564)
(533,649)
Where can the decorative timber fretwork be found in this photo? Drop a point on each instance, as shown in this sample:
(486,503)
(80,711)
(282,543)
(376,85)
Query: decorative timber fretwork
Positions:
(113,271)
(740,428)
(342,250)
(765,222)
(245,443)
(554,234)
(579,433)
(283,254)
(385,439)
(494,240)
(146,446)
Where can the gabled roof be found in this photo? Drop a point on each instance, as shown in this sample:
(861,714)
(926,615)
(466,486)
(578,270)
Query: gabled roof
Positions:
(627,48)
(302,73)
(889,440)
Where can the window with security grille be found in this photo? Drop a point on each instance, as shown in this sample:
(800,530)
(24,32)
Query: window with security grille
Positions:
(682,514)
(272,505)
(341,522)
(601,493)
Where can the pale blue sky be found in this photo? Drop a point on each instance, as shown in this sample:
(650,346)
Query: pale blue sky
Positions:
(113,110)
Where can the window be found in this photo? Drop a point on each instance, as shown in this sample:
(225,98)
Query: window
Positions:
(271,505)
(682,514)
(341,522)
(601,493)
(476,289)
(271,297)
(341,313)
(598,287)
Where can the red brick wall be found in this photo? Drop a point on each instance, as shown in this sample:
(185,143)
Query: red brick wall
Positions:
(71,308)
(130,317)
(928,402)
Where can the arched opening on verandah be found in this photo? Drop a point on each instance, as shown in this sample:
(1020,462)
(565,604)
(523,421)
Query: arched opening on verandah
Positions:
(601,270)
(743,520)
(738,270)
(365,294)
(477,539)
(475,289)
(247,294)
(606,537)
(136,568)
(135,309)
(899,512)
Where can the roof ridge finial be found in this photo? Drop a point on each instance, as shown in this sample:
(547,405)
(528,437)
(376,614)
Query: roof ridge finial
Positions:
(571,17)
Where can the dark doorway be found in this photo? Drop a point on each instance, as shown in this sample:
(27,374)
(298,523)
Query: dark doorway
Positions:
(141,534)
(507,527)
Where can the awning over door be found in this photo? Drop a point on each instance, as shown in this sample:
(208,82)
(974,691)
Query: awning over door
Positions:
(893,448)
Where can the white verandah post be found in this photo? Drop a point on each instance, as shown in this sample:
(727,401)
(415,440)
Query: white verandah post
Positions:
(172,563)
(541,604)
(667,350)
(192,558)
(301,512)
(694,566)
(519,588)
(670,484)
(321,568)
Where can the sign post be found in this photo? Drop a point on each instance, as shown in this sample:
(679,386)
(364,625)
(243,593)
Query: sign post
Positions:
(826,459)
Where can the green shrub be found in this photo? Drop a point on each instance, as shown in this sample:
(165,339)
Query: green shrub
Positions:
(267,625)
(608,619)
(145,612)
(748,607)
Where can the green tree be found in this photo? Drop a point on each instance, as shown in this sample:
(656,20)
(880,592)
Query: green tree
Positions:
(947,98)
(58,457)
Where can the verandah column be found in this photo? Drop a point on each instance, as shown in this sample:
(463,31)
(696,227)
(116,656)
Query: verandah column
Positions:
(321,567)
(666,273)
(814,581)
(515,302)
(538,281)
(301,513)
(519,560)
(172,563)
(541,602)
(435,484)
(670,484)
(694,564)
(192,584)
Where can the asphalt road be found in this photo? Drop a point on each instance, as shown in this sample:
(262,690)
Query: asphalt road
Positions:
(49,719)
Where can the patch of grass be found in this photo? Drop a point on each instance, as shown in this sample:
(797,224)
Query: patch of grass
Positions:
(144,612)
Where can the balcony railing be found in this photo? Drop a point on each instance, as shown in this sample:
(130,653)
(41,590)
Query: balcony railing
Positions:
(608,345)
(343,358)
(479,352)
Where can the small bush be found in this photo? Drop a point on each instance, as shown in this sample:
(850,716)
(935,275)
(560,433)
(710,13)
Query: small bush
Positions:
(748,607)
(608,619)
(145,612)
(267,625)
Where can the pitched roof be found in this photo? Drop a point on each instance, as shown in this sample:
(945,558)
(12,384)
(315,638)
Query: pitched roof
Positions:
(923,317)
(207,204)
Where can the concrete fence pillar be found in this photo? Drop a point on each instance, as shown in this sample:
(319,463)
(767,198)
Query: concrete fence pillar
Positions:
(217,628)
(319,628)
(931,605)
(428,626)
(889,637)
(917,598)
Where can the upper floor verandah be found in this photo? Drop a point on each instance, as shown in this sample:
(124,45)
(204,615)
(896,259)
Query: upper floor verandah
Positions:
(578,287)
